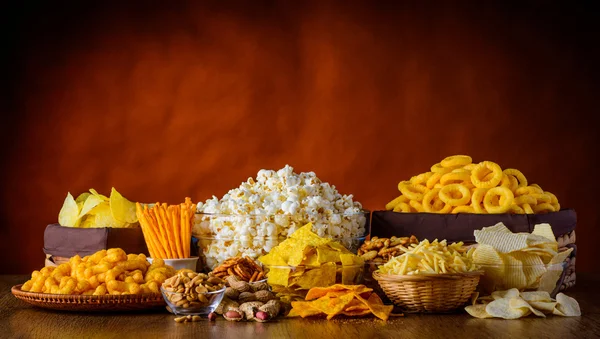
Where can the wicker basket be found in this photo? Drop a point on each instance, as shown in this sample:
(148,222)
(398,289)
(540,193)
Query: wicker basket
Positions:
(90,303)
(429,293)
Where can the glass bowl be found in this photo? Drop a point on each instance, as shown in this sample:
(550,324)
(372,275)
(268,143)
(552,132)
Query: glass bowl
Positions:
(203,303)
(295,281)
(222,236)
(544,277)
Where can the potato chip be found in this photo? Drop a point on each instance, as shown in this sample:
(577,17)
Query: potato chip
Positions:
(568,306)
(69,213)
(544,230)
(500,308)
(549,279)
(533,266)
(514,276)
(561,257)
(122,209)
(518,303)
(501,241)
(511,293)
(543,306)
(538,296)
(82,197)
(89,203)
(537,240)
(104,216)
(103,197)
(499,227)
(478,311)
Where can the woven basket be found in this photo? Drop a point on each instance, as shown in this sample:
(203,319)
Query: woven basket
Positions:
(429,293)
(90,303)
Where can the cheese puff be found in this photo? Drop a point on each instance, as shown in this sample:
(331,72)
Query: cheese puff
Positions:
(27,285)
(143,257)
(100,290)
(132,256)
(93,280)
(128,280)
(151,287)
(46,271)
(96,257)
(156,263)
(79,273)
(113,274)
(132,265)
(88,292)
(137,276)
(38,284)
(35,274)
(101,277)
(88,272)
(115,255)
(61,270)
(54,290)
(82,286)
(69,286)
(74,262)
(102,267)
(50,281)
(123,287)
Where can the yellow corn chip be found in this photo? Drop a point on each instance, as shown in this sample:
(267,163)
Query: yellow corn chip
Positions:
(326,254)
(318,277)
(317,292)
(308,237)
(278,276)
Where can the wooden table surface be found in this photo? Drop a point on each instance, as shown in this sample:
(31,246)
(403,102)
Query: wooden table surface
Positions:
(19,320)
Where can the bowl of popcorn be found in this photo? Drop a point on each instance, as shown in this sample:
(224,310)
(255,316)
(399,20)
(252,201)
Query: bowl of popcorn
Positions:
(190,293)
(264,211)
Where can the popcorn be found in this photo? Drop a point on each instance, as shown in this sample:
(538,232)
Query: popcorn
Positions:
(253,218)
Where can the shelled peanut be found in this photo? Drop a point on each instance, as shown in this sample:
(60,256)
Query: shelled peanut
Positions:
(250,301)
(188,288)
(242,267)
(383,249)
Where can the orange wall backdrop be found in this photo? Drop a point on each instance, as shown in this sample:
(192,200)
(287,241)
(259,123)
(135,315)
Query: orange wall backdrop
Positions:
(190,100)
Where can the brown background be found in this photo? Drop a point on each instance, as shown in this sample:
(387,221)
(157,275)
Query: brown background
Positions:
(190,100)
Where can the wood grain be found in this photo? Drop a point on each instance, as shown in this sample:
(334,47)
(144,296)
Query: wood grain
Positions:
(18,319)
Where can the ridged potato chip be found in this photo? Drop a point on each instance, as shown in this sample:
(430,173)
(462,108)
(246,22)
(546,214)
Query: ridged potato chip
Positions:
(567,306)
(69,213)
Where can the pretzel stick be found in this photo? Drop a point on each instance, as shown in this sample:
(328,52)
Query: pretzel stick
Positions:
(160,236)
(143,223)
(174,213)
(152,232)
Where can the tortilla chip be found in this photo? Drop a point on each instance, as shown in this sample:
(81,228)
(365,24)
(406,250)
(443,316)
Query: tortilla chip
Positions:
(308,237)
(278,276)
(318,277)
(317,292)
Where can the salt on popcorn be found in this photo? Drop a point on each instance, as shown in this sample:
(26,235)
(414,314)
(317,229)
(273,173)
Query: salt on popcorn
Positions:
(256,216)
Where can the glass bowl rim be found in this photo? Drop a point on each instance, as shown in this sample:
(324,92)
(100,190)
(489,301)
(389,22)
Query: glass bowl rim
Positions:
(361,212)
(212,237)
(162,289)
(309,266)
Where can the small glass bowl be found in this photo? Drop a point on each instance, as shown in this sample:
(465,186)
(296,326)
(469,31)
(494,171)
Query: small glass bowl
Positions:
(545,277)
(345,274)
(204,303)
